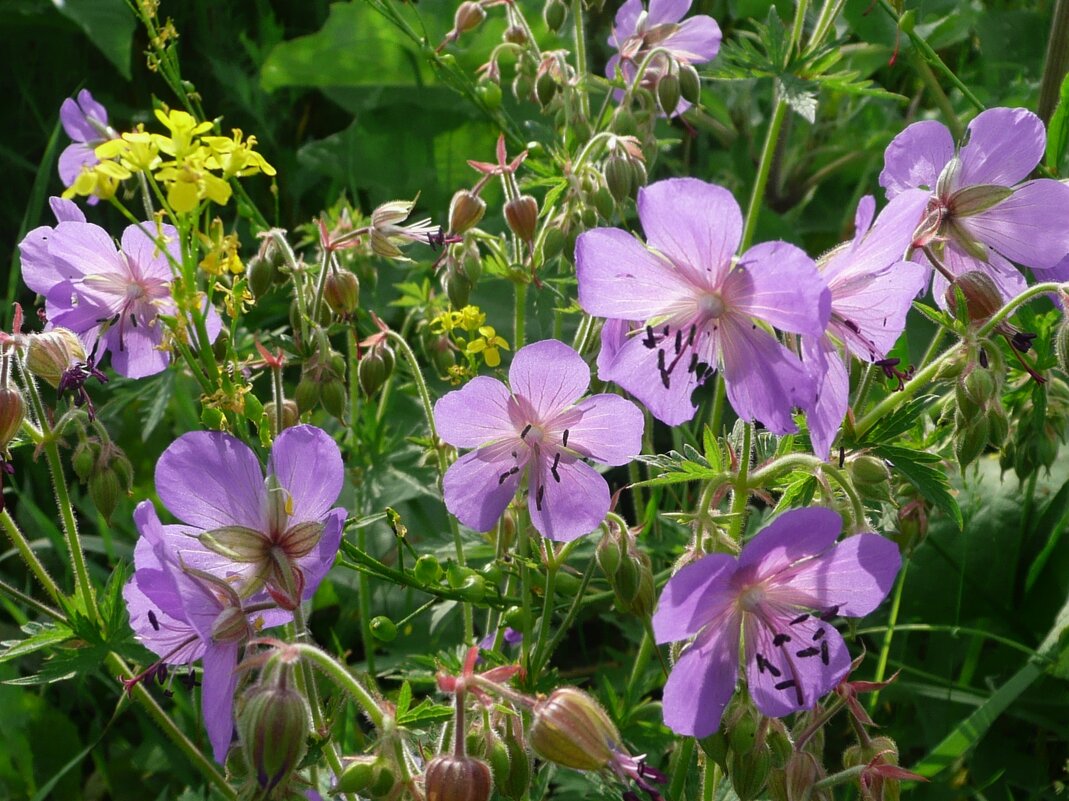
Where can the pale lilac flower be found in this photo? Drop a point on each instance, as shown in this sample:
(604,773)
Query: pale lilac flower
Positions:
(983,213)
(636,32)
(775,603)
(86,123)
(541,430)
(280,532)
(683,306)
(110,297)
(183,618)
(872,288)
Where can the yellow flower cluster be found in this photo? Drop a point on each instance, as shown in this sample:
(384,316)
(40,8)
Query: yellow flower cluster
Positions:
(222,251)
(189,165)
(471,320)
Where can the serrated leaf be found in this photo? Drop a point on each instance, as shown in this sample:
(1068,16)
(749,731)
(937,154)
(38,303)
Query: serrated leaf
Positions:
(919,469)
(713,455)
(404,699)
(41,635)
(426,711)
(799,95)
(898,422)
(939,318)
(799,492)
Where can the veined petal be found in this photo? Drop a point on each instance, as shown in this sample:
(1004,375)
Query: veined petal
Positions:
(72,159)
(308,465)
(702,681)
(833,393)
(210,479)
(1007,278)
(135,351)
(1004,146)
(475,414)
(609,429)
(164,635)
(854,576)
(148,259)
(697,40)
(479,485)
(795,535)
(83,249)
(915,157)
(778,283)
(66,210)
(549,375)
(618,277)
(317,564)
(887,241)
(869,310)
(1031,227)
(566,497)
(662,11)
(765,381)
(625,23)
(694,596)
(217,696)
(698,225)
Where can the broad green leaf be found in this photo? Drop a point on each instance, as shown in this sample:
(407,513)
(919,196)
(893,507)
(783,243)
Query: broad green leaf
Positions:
(41,635)
(925,471)
(109,24)
(1058,129)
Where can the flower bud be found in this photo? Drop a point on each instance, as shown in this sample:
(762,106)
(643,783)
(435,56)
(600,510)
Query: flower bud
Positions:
(749,772)
(306,395)
(572,730)
(619,177)
(341,291)
(715,747)
(376,366)
(260,275)
(384,629)
(521,214)
(515,34)
(50,354)
(690,85)
(466,209)
(554,14)
(457,286)
(84,458)
(870,476)
(668,92)
(490,93)
(802,772)
(912,525)
(369,775)
(515,783)
(980,387)
(12,413)
(982,297)
(290,415)
(110,480)
(333,396)
(274,728)
(468,17)
(970,440)
(609,553)
(1061,345)
(427,570)
(456,778)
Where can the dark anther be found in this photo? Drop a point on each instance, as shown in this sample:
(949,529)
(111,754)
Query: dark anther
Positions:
(829,614)
(852,326)
(538,497)
(502,478)
(890,369)
(693,363)
(153,621)
(785,685)
(660,360)
(842,457)
(437,240)
(525,431)
(133,321)
(818,634)
(188,680)
(74,379)
(650,341)
(779,639)
(802,618)
(824,652)
(807,652)
(564,438)
(760,664)
(690,336)
(667,331)
(763,665)
(983,358)
(679,340)
(1022,340)
(754,326)
(553,469)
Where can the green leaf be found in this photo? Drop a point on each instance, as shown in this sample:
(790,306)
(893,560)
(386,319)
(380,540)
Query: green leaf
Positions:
(1058,129)
(109,24)
(164,389)
(676,468)
(924,470)
(425,712)
(799,95)
(897,422)
(41,635)
(404,699)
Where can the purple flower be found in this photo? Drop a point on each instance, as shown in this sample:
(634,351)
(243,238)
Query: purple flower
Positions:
(86,123)
(982,213)
(279,532)
(111,298)
(778,597)
(872,288)
(686,307)
(539,430)
(636,32)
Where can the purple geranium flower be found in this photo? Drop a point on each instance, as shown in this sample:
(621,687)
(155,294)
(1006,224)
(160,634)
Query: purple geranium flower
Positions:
(778,598)
(111,298)
(636,32)
(872,288)
(280,531)
(184,617)
(86,123)
(982,213)
(690,306)
(538,429)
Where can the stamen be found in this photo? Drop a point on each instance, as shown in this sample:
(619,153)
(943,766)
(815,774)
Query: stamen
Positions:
(693,363)
(553,469)
(538,497)
(153,621)
(807,652)
(828,614)
(818,634)
(650,342)
(526,431)
(690,336)
(802,618)
(779,639)
(824,652)
(564,438)
(763,665)
(679,339)
(788,684)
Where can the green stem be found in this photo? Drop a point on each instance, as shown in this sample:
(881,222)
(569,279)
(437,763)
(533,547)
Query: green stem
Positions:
(740,494)
(885,647)
(573,610)
(711,780)
(519,331)
(856,504)
(364,590)
(36,566)
(954,631)
(279,397)
(278,236)
(716,416)
(311,690)
(581,58)
(31,602)
(321,285)
(1056,65)
(842,777)
(937,93)
(345,680)
(548,602)
(764,167)
(642,658)
(681,768)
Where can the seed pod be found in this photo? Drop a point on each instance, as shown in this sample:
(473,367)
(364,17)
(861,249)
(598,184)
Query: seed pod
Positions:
(982,297)
(546,88)
(368,775)
(749,772)
(457,287)
(690,85)
(274,727)
(515,34)
(554,13)
(971,441)
(106,491)
(341,291)
(980,387)
(521,214)
(619,177)
(51,353)
(668,92)
(715,747)
(466,209)
(290,415)
(468,17)
(12,413)
(333,395)
(376,366)
(384,629)
(306,395)
(457,778)
(609,553)
(623,123)
(260,275)
(427,570)
(604,203)
(571,729)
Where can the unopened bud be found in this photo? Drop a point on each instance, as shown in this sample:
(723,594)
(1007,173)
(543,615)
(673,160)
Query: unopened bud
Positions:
(50,354)
(515,784)
(521,214)
(341,291)
(306,394)
(970,441)
(333,396)
(469,16)
(376,366)
(554,14)
(12,413)
(260,275)
(384,629)
(466,209)
(690,85)
(668,92)
(546,88)
(749,771)
(290,415)
(515,34)
(372,776)
(84,459)
(110,480)
(274,727)
(457,778)
(980,387)
(982,297)
(571,729)
(620,177)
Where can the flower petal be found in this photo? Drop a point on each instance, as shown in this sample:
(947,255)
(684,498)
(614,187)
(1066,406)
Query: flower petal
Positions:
(82,249)
(308,465)
(854,576)
(915,157)
(662,11)
(702,682)
(618,277)
(778,283)
(66,210)
(217,696)
(147,259)
(1031,227)
(887,241)
(1007,278)
(549,375)
(166,636)
(568,500)
(697,40)
(72,159)
(210,479)
(792,671)
(317,564)
(625,23)
(698,225)
(135,350)
(833,393)
(695,595)
(795,535)
(1004,146)
(764,380)
(474,491)
(609,429)
(475,414)
(870,309)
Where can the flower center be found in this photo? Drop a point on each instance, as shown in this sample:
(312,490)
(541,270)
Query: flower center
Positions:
(752,597)
(710,305)
(533,435)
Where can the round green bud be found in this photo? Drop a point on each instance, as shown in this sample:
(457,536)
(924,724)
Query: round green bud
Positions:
(384,629)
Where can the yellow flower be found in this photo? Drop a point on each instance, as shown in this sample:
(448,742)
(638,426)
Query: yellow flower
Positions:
(445,322)
(137,151)
(183,127)
(190,182)
(471,319)
(93,181)
(235,157)
(489,345)
(222,251)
